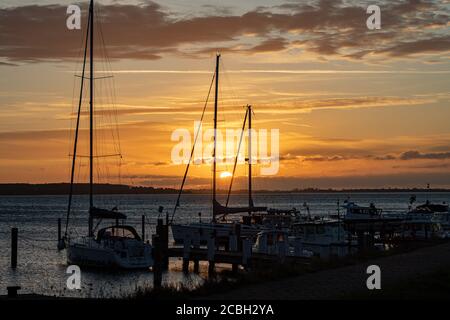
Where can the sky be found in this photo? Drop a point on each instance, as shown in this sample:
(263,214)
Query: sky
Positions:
(355,108)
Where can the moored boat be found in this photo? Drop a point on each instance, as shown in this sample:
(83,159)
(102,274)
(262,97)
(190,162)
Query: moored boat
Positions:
(116,246)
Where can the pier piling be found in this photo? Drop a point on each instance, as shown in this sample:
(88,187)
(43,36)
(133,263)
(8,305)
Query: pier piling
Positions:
(211,256)
(233,246)
(196,246)
(162,230)
(186,254)
(12,291)
(143,228)
(157,261)
(59,230)
(246,252)
(14,234)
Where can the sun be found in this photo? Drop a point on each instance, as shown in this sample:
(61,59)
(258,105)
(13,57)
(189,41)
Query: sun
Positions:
(225,174)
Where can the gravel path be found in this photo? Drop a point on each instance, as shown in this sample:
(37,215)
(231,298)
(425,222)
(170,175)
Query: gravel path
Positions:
(330,284)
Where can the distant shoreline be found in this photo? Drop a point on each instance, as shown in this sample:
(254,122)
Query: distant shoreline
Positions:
(80,189)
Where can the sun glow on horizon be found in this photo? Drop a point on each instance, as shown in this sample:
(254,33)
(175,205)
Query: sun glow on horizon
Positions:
(225,174)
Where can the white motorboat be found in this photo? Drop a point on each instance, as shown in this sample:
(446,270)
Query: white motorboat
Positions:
(324,238)
(427,221)
(278,242)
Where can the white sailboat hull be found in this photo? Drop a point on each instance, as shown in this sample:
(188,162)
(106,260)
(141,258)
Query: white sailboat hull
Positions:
(93,254)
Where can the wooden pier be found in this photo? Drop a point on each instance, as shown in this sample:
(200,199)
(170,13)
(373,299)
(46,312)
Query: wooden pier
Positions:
(237,252)
(229,257)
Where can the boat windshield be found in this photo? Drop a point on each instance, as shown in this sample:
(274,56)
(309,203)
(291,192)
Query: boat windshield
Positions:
(117,232)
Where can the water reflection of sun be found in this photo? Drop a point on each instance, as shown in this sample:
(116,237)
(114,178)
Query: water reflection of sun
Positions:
(225,174)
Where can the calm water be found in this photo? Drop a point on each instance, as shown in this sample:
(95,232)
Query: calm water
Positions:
(41,268)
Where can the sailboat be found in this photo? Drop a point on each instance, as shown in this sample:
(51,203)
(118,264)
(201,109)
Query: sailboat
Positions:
(114,246)
(258,218)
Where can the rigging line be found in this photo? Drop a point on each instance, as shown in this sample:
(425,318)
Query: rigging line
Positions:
(94,78)
(76,132)
(101,156)
(108,67)
(237,157)
(177,204)
(234,99)
(110,88)
(79,54)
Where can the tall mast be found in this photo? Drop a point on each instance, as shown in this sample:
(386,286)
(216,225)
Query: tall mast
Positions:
(215,132)
(75,144)
(250,200)
(91,113)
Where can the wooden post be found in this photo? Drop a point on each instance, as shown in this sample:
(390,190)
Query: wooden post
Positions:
(186,254)
(238,235)
(211,254)
(196,246)
(196,266)
(246,252)
(59,230)
(143,227)
(233,246)
(162,230)
(14,233)
(157,257)
(166,247)
(12,291)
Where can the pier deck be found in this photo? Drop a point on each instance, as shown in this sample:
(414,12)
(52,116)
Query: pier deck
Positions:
(231,257)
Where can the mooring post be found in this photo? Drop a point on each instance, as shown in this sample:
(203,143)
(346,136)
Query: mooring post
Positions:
(196,246)
(143,227)
(211,254)
(246,252)
(162,230)
(59,230)
(186,254)
(12,291)
(238,236)
(157,257)
(14,233)
(233,246)
(165,246)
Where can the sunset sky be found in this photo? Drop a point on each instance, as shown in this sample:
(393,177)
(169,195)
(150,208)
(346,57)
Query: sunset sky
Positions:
(355,107)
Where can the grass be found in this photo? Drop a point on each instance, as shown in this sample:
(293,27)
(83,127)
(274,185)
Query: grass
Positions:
(227,280)
(433,286)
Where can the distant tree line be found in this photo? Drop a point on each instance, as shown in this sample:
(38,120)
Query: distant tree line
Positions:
(83,188)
